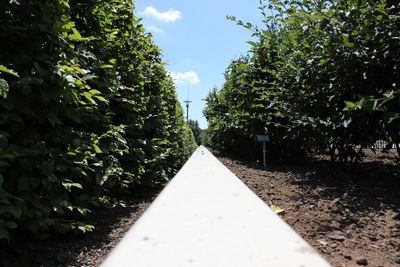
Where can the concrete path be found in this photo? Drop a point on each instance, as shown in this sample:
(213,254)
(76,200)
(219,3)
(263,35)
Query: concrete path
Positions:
(207,217)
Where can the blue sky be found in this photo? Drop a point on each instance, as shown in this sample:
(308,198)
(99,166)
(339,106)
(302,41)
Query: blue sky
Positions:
(198,42)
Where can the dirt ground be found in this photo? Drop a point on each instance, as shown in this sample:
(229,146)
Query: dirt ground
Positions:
(350,214)
(85,250)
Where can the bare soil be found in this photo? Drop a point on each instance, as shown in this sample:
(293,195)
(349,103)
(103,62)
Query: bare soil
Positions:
(349,213)
(87,250)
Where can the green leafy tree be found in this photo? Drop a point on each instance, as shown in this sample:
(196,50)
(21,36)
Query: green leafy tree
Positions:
(322,75)
(87,113)
(194,126)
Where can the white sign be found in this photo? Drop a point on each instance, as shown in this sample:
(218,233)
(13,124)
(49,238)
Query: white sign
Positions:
(262,138)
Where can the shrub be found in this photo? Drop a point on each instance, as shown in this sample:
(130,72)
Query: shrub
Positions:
(322,75)
(87,113)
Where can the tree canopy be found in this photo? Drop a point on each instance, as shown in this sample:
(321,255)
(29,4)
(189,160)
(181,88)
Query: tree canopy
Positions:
(321,76)
(87,113)
(194,126)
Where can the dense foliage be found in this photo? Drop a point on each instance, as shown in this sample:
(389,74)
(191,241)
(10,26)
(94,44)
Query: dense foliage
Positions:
(87,113)
(321,76)
(194,126)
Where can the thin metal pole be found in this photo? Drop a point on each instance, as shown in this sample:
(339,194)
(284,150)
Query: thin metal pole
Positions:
(187,112)
(187,106)
(264,156)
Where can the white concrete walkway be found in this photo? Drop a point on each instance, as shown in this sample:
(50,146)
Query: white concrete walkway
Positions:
(207,217)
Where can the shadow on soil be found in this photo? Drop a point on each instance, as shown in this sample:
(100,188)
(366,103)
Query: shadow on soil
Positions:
(362,187)
(372,185)
(110,225)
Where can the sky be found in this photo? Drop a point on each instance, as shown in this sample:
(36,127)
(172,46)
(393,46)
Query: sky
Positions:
(198,42)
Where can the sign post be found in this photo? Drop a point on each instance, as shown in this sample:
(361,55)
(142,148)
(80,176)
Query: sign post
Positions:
(264,139)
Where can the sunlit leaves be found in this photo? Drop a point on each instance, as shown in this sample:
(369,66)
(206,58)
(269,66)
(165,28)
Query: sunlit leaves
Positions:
(321,75)
(89,116)
(4,69)
(3,88)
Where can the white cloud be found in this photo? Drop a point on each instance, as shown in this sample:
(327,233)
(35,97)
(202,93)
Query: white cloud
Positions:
(185,77)
(167,16)
(154,29)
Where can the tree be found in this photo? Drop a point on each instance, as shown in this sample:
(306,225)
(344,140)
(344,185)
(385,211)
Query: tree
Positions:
(321,76)
(194,126)
(88,113)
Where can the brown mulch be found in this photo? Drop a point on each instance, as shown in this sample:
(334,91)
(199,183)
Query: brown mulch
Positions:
(349,213)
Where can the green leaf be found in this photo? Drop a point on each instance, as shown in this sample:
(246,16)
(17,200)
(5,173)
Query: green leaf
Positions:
(350,105)
(253,44)
(10,225)
(88,96)
(4,233)
(101,99)
(3,88)
(17,212)
(94,92)
(97,149)
(389,117)
(106,66)
(69,185)
(347,42)
(65,3)
(381,9)
(71,153)
(75,35)
(83,211)
(322,62)
(7,70)
(86,228)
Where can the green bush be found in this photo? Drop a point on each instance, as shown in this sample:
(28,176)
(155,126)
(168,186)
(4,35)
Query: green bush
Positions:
(322,75)
(87,113)
(194,126)
(205,138)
